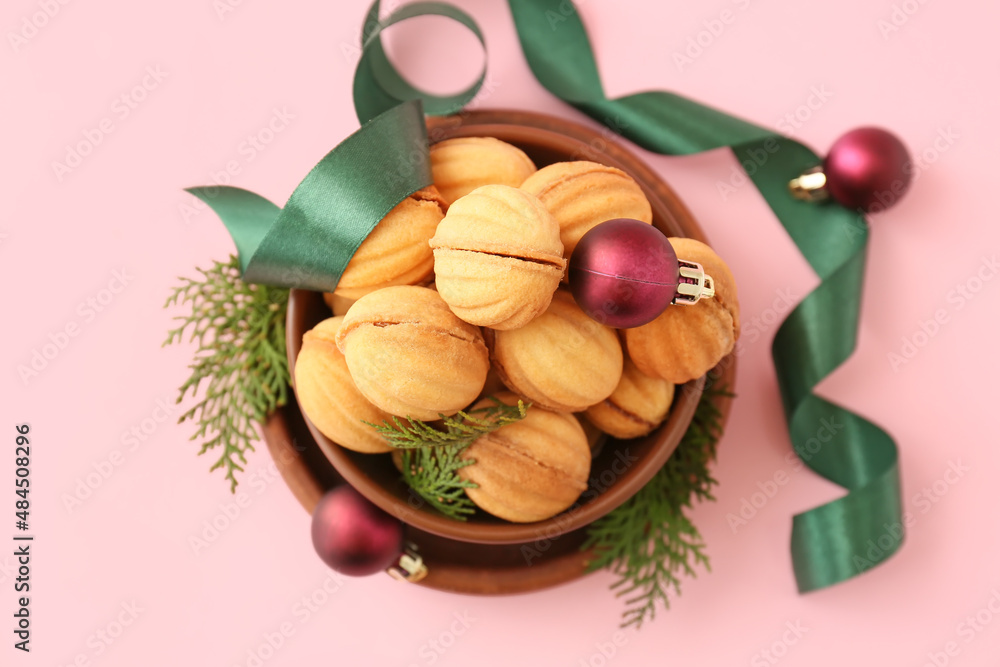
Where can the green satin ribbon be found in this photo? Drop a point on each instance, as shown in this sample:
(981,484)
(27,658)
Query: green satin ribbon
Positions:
(328,216)
(309,242)
(844,537)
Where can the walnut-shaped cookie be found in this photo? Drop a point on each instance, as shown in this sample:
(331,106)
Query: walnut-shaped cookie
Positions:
(529,470)
(497,257)
(562,360)
(329,397)
(686,341)
(396,251)
(462,164)
(410,355)
(581,195)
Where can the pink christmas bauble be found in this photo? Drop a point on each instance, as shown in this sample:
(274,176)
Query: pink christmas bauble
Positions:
(868,169)
(352,535)
(623,273)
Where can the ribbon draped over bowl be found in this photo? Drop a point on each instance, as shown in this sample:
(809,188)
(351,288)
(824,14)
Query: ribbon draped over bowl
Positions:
(309,242)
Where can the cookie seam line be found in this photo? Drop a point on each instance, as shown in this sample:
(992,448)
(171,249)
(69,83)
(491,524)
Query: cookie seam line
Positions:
(505,444)
(572,177)
(558,264)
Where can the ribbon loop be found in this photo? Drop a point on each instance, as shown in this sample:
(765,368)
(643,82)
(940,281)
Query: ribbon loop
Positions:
(378,86)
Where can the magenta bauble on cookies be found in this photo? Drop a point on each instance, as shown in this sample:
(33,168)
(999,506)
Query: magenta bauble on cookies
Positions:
(623,273)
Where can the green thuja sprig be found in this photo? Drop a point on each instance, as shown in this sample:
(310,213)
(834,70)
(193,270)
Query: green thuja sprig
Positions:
(240,359)
(432,472)
(649,541)
(432,456)
(461,428)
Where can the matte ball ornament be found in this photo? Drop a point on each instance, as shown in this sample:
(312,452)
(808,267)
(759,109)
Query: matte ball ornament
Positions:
(866,169)
(353,536)
(623,273)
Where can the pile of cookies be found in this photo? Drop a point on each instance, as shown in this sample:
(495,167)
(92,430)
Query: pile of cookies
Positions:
(459,293)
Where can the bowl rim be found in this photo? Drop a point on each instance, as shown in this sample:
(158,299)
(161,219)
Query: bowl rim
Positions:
(551,132)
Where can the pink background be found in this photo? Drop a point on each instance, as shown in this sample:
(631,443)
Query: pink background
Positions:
(62,237)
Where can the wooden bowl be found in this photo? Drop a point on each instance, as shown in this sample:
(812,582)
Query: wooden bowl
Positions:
(546,140)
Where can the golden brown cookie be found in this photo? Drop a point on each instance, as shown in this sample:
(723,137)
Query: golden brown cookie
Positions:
(562,360)
(581,195)
(497,257)
(328,396)
(638,404)
(686,341)
(462,164)
(410,355)
(396,251)
(529,470)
